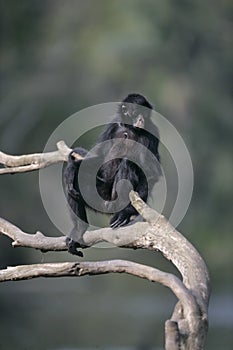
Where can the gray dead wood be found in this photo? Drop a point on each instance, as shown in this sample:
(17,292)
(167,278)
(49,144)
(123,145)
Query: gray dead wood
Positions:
(188,325)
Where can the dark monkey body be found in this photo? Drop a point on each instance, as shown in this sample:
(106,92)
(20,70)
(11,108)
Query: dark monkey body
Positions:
(131,126)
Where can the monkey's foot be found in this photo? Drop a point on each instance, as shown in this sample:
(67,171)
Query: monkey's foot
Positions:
(119,219)
(73,246)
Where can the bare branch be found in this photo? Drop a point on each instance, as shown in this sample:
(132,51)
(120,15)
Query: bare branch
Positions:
(188,325)
(174,246)
(172,336)
(156,235)
(36,241)
(31,162)
(101,267)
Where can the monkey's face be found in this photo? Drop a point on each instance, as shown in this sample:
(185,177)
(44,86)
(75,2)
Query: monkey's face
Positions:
(134,114)
(135,110)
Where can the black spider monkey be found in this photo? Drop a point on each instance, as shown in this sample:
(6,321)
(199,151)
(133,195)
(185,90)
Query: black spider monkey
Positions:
(132,122)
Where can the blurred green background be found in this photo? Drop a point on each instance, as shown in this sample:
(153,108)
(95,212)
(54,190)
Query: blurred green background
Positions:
(57,57)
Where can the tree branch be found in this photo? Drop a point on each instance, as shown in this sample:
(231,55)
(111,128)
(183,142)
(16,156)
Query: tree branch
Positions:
(98,268)
(188,325)
(31,162)
(158,234)
(155,235)
(36,241)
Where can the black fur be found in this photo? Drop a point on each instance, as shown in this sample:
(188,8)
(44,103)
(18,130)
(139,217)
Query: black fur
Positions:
(131,122)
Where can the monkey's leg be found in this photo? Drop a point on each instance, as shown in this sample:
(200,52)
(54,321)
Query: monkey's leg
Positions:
(78,215)
(124,216)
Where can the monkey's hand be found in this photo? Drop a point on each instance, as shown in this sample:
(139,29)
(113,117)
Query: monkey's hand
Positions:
(73,246)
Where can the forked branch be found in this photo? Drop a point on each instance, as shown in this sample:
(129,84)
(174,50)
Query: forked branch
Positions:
(187,327)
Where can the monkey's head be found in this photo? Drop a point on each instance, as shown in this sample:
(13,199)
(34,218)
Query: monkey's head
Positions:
(135,110)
